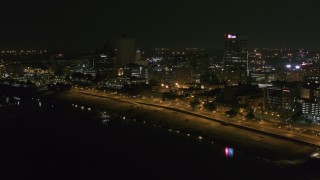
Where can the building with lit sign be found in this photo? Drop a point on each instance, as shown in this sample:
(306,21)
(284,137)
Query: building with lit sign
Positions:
(235,60)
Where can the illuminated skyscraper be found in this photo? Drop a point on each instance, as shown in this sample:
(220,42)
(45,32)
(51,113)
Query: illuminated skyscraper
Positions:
(235,60)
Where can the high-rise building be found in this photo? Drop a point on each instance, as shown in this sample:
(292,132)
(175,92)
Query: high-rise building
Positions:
(311,111)
(126,50)
(282,97)
(235,60)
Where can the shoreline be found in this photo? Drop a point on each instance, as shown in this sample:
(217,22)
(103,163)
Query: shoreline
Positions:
(74,132)
(259,145)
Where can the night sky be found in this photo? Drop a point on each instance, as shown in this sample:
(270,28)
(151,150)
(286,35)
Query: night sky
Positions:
(86,24)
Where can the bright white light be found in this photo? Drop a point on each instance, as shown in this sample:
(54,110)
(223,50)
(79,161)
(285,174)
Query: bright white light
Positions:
(232,36)
(297,67)
(315,155)
(288,66)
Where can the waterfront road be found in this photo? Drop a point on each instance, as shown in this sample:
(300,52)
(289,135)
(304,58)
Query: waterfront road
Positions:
(303,134)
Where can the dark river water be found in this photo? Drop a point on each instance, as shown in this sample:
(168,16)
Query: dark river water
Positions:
(45,141)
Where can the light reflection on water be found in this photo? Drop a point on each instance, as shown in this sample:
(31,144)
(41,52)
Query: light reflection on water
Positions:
(229,152)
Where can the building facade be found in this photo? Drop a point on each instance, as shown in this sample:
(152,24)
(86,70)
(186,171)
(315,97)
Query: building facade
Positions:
(126,52)
(235,60)
(282,97)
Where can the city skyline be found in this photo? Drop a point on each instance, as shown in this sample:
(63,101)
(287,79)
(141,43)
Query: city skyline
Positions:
(160,89)
(85,25)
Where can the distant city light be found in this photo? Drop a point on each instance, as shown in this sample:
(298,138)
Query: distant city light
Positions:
(232,36)
(288,66)
(297,67)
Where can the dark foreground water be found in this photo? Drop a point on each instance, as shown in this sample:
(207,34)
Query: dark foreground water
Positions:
(64,142)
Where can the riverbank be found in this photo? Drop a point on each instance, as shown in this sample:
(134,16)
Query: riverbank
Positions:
(54,140)
(257,144)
